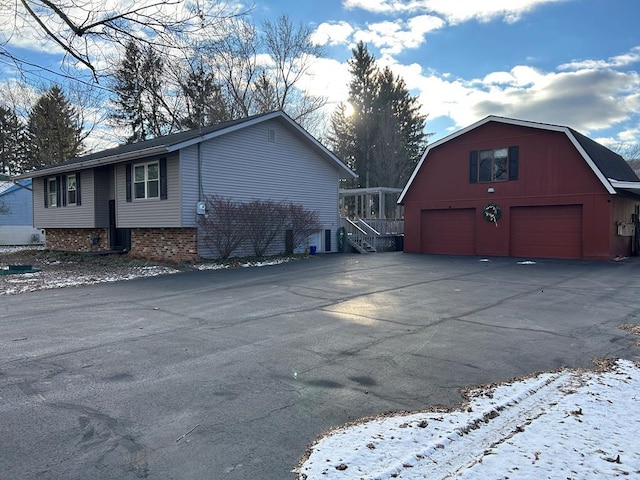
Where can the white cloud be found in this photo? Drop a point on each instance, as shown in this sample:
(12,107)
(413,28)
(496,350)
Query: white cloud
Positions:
(332,33)
(464,10)
(618,61)
(587,100)
(390,37)
(382,6)
(455,11)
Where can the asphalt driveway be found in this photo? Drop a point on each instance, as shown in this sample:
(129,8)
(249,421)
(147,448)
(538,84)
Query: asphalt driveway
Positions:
(229,374)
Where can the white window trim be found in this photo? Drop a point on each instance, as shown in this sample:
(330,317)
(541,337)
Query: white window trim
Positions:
(50,192)
(146,181)
(75,176)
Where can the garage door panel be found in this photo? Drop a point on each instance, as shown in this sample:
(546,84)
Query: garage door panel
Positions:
(546,231)
(450,231)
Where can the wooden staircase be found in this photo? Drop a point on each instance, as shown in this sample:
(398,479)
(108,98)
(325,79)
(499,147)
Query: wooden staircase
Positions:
(361,245)
(372,235)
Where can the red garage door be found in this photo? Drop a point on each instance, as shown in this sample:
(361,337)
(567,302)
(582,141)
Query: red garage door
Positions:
(547,232)
(450,231)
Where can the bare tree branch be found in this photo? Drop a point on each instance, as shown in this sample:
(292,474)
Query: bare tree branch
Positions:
(84,30)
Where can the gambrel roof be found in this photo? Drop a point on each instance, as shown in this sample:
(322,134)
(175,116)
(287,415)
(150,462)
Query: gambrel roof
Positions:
(611,169)
(171,143)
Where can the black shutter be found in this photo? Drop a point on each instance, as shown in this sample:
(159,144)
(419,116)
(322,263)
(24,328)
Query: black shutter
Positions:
(46,192)
(163,179)
(78,188)
(58,191)
(513,163)
(127,168)
(63,188)
(473,167)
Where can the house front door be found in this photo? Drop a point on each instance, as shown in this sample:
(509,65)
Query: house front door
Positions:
(119,238)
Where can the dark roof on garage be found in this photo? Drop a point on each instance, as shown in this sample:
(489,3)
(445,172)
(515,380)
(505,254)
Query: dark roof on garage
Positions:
(608,162)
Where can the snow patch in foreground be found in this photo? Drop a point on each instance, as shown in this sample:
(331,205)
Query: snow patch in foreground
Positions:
(264,263)
(29,282)
(568,424)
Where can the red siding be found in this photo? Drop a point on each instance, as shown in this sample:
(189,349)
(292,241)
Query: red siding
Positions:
(548,231)
(551,173)
(448,231)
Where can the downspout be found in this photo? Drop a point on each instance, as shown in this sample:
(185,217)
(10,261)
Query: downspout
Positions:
(200,188)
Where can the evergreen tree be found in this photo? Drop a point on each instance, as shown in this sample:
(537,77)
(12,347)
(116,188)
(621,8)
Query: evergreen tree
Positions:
(12,143)
(382,139)
(54,130)
(129,88)
(139,86)
(204,103)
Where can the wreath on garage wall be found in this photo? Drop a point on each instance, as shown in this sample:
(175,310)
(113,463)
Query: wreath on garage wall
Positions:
(492,213)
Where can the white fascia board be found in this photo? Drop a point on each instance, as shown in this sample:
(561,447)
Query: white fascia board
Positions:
(436,144)
(605,182)
(521,123)
(635,186)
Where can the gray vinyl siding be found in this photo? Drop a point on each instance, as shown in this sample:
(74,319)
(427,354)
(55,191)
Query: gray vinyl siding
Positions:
(149,213)
(189,185)
(72,216)
(245,165)
(104,192)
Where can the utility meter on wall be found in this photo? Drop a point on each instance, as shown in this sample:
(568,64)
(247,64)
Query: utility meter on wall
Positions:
(200,208)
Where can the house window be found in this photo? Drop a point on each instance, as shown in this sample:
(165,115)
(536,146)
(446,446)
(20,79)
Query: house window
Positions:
(496,165)
(146,180)
(272,135)
(72,190)
(52,192)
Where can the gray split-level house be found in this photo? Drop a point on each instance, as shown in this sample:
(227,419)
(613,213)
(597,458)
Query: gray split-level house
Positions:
(143,197)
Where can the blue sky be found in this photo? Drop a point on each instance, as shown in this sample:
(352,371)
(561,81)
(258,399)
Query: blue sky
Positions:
(568,62)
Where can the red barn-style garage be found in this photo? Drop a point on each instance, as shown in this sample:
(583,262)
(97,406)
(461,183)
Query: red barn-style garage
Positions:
(507,187)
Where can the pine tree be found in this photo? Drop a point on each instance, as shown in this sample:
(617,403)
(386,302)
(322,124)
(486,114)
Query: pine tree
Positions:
(384,136)
(12,143)
(129,88)
(203,98)
(54,130)
(139,103)
(362,94)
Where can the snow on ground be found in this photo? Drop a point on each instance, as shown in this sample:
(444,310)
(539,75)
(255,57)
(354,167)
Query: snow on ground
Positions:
(29,282)
(564,425)
(61,276)
(244,264)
